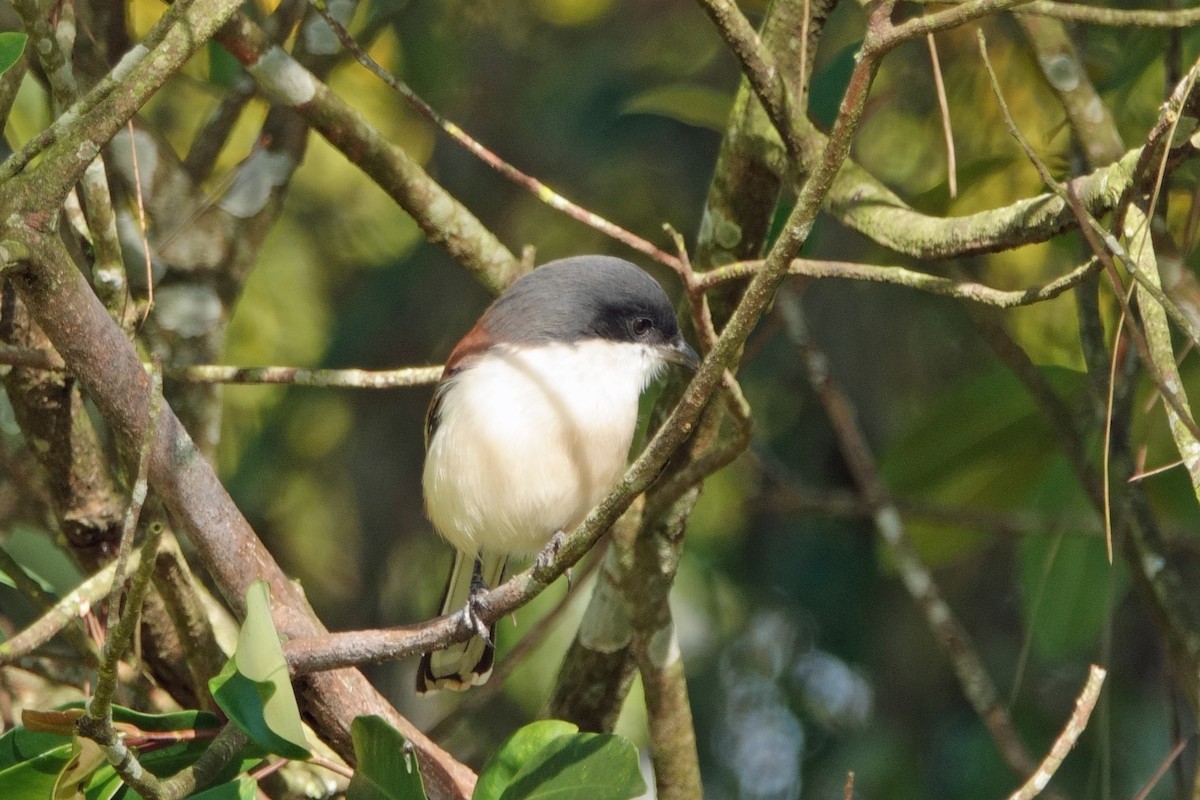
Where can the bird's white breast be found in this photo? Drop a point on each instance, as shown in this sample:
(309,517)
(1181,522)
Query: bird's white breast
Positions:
(529,439)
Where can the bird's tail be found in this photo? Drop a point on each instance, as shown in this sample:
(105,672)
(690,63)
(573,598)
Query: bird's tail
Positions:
(464,664)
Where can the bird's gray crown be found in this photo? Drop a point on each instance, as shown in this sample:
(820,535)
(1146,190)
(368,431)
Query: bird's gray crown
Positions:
(583,297)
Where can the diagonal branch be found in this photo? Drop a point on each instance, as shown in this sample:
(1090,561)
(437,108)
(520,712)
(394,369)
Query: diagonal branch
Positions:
(444,220)
(97,352)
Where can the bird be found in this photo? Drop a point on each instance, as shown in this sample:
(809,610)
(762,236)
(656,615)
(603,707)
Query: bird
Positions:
(531,424)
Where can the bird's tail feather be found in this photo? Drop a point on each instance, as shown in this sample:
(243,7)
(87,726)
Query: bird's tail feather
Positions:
(464,664)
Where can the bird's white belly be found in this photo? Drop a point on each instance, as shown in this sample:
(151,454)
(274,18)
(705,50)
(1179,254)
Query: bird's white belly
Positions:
(528,441)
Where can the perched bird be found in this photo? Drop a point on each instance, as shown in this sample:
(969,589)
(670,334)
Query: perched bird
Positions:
(531,424)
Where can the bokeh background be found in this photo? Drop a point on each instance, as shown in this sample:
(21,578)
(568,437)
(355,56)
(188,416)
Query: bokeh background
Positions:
(805,656)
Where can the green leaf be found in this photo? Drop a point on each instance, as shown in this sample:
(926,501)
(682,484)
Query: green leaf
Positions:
(387,770)
(38,555)
(190,720)
(254,689)
(1065,602)
(830,84)
(34,779)
(518,750)
(165,762)
(12,44)
(21,744)
(1067,586)
(693,105)
(960,452)
(596,766)
(242,789)
(223,69)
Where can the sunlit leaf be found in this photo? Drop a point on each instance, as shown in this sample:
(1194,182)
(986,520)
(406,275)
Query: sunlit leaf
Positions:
(386,770)
(598,766)
(254,688)
(518,750)
(12,44)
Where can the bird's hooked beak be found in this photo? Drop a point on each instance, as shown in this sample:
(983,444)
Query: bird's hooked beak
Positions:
(677,351)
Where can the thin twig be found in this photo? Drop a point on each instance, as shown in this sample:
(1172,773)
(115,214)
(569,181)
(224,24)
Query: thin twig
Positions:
(973,676)
(900,276)
(939,85)
(300,376)
(142,225)
(1066,739)
(1162,768)
(137,499)
(1110,402)
(1098,15)
(47,359)
(75,605)
(335,767)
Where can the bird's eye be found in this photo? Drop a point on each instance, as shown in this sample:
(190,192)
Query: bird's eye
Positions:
(642,326)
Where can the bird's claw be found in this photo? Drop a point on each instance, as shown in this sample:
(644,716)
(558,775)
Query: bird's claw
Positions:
(475,607)
(545,559)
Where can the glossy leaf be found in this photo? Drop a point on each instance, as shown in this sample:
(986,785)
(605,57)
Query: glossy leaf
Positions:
(387,770)
(21,744)
(12,44)
(518,750)
(597,766)
(242,789)
(254,689)
(35,778)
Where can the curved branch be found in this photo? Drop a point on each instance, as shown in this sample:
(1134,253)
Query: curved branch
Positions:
(1096,15)
(97,352)
(900,276)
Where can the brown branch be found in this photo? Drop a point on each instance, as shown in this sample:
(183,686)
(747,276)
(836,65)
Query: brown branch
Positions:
(97,352)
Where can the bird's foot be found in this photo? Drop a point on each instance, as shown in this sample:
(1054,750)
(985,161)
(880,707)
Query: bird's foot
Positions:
(475,607)
(545,559)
